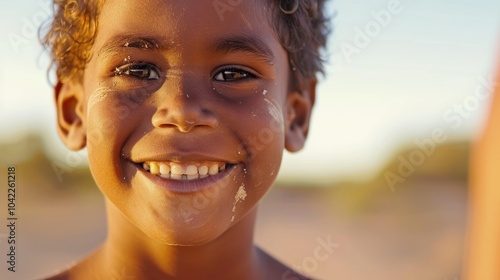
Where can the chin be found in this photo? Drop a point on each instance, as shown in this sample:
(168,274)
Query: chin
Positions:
(185,238)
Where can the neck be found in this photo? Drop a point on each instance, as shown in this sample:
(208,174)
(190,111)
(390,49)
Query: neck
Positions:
(129,252)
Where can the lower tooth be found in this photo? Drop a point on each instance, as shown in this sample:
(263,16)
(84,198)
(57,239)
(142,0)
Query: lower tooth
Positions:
(176,176)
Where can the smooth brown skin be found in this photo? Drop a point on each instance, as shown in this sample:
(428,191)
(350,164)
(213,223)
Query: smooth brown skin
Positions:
(188,114)
(483,258)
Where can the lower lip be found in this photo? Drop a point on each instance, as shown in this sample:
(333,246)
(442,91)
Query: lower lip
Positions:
(188,186)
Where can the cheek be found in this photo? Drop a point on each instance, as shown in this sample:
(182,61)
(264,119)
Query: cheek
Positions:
(111,119)
(265,128)
(262,136)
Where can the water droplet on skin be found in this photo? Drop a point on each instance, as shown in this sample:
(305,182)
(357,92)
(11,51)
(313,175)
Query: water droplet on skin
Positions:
(126,44)
(126,59)
(294,69)
(245,170)
(264,92)
(187,95)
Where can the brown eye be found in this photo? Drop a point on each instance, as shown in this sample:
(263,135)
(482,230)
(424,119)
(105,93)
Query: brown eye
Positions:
(140,71)
(232,75)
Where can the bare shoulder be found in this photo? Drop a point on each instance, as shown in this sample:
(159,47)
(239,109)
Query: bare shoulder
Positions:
(81,270)
(276,270)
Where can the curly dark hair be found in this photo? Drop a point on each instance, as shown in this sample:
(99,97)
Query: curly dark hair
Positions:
(302,32)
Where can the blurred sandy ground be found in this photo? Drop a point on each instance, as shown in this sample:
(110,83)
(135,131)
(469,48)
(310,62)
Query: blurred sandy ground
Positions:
(414,231)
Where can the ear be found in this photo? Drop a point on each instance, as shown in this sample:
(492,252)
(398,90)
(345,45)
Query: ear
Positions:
(69,98)
(299,109)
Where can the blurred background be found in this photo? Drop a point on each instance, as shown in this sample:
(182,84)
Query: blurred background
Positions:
(383,175)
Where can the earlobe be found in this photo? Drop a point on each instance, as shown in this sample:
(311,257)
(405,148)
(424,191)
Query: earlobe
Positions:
(70,123)
(299,109)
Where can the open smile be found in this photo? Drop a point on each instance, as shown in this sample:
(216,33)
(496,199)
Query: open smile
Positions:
(186,177)
(185,171)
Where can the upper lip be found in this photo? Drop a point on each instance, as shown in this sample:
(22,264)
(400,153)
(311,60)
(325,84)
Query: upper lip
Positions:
(180,158)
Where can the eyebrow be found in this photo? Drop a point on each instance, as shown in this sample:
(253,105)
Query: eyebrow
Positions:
(238,43)
(247,44)
(127,41)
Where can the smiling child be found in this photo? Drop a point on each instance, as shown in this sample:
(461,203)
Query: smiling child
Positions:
(185,108)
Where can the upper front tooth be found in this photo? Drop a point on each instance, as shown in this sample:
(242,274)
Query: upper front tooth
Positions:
(203,170)
(164,168)
(177,169)
(214,169)
(191,170)
(155,169)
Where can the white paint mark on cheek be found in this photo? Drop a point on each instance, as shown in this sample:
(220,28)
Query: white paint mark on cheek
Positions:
(241,194)
(276,113)
(98,96)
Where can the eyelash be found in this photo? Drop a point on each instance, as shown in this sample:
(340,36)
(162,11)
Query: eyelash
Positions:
(140,71)
(147,71)
(219,76)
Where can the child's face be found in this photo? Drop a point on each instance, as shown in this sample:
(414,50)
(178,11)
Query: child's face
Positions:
(186,86)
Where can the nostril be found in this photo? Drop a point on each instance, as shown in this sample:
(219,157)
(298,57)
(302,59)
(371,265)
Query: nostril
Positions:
(184,119)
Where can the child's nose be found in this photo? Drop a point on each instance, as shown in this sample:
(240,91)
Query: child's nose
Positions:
(180,105)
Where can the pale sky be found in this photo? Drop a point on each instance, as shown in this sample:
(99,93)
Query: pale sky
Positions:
(389,81)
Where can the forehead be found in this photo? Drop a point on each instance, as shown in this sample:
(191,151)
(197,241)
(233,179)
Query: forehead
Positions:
(187,22)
